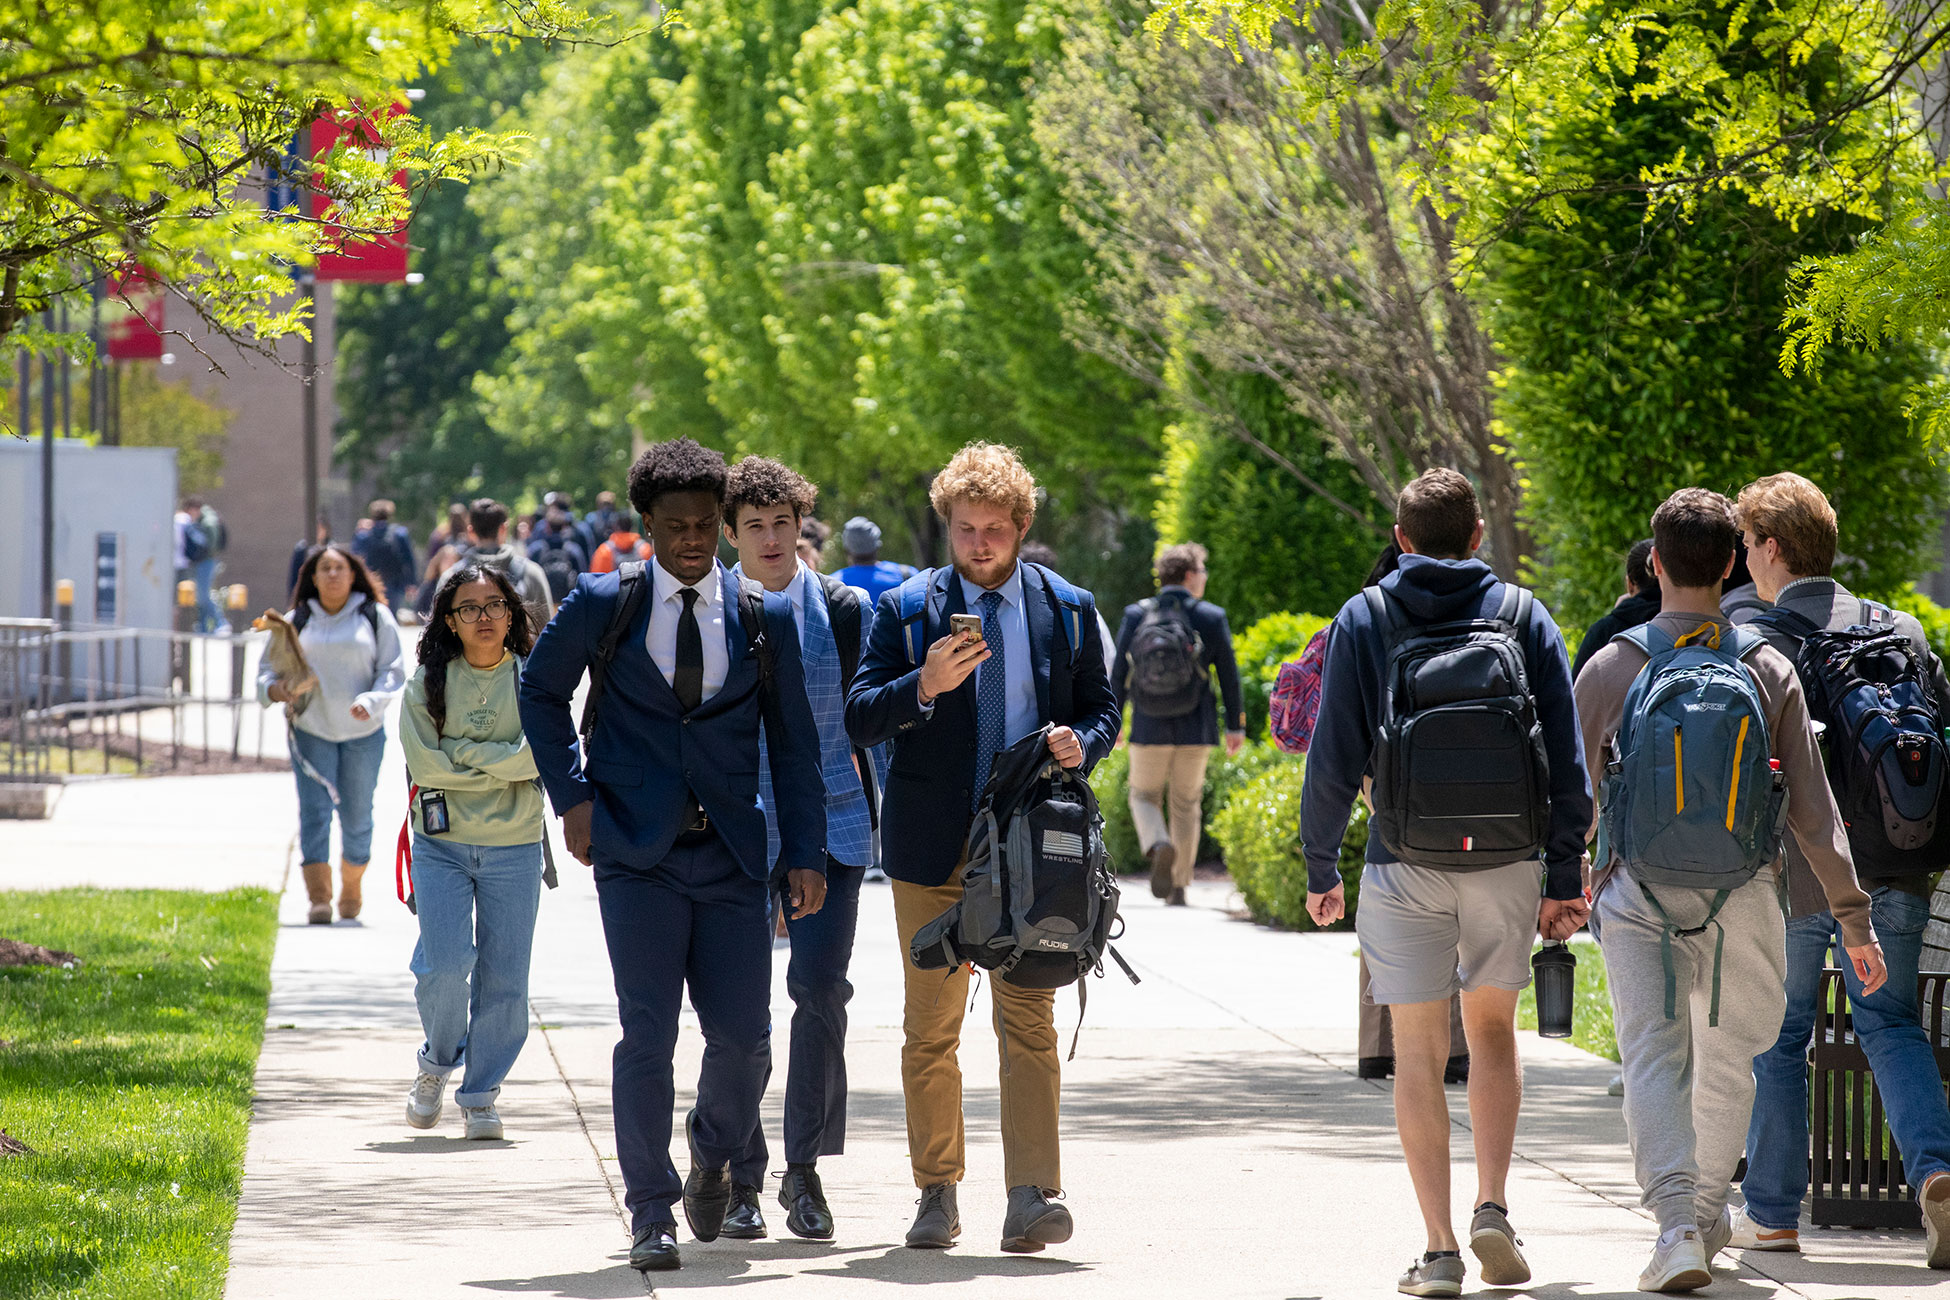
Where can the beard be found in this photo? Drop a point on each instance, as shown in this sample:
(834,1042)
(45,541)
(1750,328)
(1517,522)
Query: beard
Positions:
(994,572)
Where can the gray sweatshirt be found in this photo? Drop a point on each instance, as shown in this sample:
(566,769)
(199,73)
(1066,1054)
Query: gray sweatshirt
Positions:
(353,667)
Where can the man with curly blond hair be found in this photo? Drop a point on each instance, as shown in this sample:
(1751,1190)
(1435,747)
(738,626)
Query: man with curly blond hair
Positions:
(947,712)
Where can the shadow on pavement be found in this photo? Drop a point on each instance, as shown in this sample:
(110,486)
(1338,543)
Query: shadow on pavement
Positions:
(602,1284)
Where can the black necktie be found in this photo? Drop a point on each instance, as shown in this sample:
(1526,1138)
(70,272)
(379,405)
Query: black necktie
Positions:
(689,681)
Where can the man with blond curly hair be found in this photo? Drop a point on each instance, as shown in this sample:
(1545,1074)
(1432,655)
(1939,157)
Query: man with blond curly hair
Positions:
(948,709)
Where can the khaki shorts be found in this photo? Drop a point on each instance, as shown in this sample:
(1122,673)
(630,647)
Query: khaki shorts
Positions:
(1426,933)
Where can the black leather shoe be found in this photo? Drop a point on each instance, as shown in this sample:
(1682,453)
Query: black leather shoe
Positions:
(707,1192)
(1034,1221)
(806,1213)
(1457,1070)
(743,1222)
(1374,1067)
(654,1248)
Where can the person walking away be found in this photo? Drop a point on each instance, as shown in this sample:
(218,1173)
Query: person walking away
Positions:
(558,553)
(387,549)
(860,538)
(1702,731)
(622,545)
(601,521)
(445,544)
(1639,604)
(949,702)
(1167,650)
(338,737)
(1790,533)
(197,544)
(660,793)
(487,520)
(765,504)
(477,846)
(1467,794)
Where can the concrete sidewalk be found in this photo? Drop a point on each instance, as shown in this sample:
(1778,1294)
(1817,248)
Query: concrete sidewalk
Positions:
(1216,1140)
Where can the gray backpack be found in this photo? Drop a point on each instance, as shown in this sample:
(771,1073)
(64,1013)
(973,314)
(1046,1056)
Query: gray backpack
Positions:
(1692,799)
(1039,902)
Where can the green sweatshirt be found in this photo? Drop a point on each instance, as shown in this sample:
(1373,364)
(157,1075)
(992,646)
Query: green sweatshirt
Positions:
(481,760)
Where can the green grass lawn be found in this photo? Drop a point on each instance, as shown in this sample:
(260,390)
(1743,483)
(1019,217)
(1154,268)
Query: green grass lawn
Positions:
(131,1077)
(1591,1026)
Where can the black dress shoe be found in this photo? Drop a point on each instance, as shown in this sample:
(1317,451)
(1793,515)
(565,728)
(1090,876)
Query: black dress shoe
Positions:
(1374,1067)
(654,1248)
(804,1200)
(707,1192)
(743,1222)
(1457,1070)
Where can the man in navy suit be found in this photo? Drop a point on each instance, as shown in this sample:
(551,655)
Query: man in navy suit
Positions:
(665,804)
(949,702)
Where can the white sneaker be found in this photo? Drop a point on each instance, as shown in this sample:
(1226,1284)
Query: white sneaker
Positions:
(1714,1236)
(1748,1235)
(1678,1263)
(423,1103)
(483,1123)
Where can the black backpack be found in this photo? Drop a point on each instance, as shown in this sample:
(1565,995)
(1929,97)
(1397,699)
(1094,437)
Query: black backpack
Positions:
(1874,694)
(558,566)
(1166,660)
(1461,780)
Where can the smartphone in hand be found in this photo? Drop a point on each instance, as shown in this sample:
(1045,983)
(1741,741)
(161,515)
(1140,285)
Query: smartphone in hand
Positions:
(967,626)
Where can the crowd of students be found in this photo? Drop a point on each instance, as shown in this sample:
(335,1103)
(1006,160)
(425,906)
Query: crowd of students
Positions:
(1722,726)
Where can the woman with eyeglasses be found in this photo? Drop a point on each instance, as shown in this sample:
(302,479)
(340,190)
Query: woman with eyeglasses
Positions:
(477,844)
(338,731)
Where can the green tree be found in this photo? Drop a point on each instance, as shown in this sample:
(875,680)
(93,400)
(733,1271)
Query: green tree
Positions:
(159,414)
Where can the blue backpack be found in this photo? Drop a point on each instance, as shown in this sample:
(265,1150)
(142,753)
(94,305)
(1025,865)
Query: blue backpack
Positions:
(1693,798)
(917,593)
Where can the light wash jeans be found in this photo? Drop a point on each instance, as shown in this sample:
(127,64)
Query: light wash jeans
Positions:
(1888,1025)
(477,910)
(352,766)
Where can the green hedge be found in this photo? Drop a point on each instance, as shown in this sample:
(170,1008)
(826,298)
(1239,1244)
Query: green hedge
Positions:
(1261,649)
(1259,833)
(1223,775)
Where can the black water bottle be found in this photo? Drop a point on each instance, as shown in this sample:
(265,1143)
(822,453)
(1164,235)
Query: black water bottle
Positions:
(1556,969)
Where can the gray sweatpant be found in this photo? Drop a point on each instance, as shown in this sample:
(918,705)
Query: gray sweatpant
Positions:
(1689,1088)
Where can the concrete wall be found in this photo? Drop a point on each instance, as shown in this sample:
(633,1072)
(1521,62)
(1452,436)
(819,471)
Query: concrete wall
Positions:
(128,491)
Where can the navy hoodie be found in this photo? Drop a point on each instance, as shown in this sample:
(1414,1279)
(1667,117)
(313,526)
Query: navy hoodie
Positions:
(1435,591)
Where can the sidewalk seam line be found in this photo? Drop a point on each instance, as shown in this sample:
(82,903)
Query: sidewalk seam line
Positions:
(575,1103)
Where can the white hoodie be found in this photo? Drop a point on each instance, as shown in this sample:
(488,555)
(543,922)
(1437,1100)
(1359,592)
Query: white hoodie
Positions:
(353,667)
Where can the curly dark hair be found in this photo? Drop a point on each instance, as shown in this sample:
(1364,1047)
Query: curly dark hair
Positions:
(440,644)
(679,465)
(760,481)
(363,580)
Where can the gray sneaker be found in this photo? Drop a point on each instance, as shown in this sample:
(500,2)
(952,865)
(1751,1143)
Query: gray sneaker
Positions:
(1715,1236)
(1678,1263)
(1433,1275)
(423,1103)
(938,1222)
(1494,1243)
(1034,1221)
(483,1123)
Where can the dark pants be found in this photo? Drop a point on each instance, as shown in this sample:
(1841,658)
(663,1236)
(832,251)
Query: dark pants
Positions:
(815,1078)
(695,919)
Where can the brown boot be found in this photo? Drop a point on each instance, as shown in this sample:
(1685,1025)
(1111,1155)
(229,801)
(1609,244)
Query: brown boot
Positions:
(318,888)
(350,874)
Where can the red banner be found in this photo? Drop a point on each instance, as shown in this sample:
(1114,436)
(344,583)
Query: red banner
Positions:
(367,260)
(136,335)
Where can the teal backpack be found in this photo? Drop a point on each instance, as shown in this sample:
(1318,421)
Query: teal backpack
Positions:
(1693,798)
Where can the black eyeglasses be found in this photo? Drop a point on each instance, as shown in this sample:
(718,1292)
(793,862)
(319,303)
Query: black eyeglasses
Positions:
(494,610)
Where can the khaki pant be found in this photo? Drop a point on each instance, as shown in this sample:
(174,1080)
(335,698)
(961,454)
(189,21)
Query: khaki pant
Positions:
(1182,768)
(931,1072)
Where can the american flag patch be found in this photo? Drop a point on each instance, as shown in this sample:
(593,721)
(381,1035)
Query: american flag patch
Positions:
(1063,844)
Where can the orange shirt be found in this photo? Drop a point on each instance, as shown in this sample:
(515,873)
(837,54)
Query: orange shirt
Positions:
(619,547)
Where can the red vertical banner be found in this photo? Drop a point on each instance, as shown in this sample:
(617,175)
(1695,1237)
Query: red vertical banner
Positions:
(352,257)
(135,334)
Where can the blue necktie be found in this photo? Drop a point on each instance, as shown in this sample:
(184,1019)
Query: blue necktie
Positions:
(991,693)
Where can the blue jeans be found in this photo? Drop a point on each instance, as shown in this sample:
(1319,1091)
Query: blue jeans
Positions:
(477,910)
(352,766)
(815,1077)
(208,618)
(1889,1026)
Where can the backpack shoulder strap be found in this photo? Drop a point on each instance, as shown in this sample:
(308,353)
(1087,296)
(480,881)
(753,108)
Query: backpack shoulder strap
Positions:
(370,612)
(633,588)
(1381,610)
(1069,605)
(1651,641)
(1742,641)
(846,613)
(916,601)
(1514,609)
(1787,621)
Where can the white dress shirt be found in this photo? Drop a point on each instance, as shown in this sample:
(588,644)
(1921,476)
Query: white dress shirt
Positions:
(1023,716)
(667,607)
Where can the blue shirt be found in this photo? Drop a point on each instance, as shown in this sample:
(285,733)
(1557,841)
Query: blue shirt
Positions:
(880,576)
(1024,717)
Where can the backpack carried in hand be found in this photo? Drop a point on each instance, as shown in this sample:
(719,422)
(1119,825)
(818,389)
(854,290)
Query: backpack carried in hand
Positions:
(558,566)
(1166,663)
(1038,900)
(1461,781)
(1693,798)
(1873,691)
(1294,706)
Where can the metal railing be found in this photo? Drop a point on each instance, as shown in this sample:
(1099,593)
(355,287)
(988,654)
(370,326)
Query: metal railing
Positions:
(101,700)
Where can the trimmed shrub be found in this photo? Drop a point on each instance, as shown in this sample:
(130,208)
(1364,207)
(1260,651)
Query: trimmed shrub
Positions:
(1934,617)
(1259,832)
(1261,649)
(1223,775)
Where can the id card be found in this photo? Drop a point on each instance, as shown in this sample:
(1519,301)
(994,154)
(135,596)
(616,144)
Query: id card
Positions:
(433,812)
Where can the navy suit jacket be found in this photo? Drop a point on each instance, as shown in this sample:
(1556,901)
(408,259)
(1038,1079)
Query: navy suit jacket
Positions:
(927,808)
(646,751)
